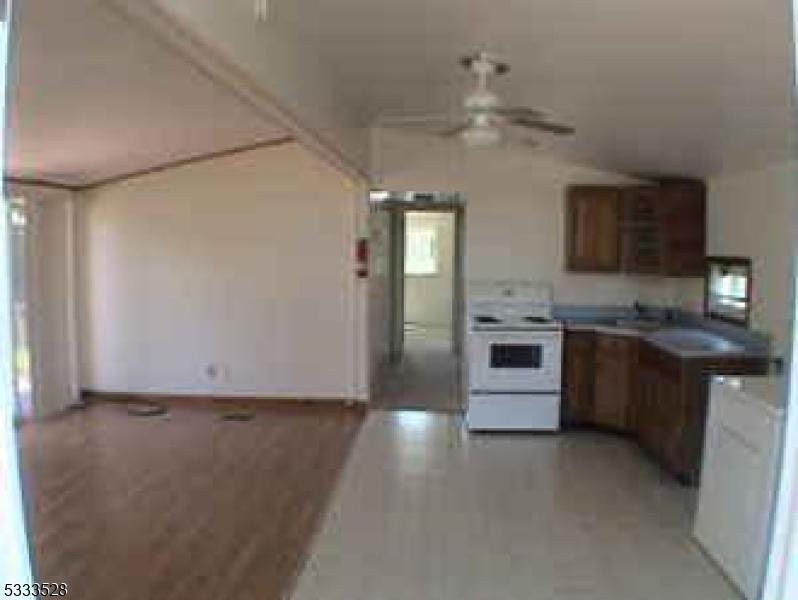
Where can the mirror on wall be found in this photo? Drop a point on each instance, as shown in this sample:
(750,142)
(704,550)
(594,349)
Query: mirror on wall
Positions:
(727,289)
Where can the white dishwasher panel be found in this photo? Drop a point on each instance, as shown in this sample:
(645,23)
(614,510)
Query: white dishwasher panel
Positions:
(737,484)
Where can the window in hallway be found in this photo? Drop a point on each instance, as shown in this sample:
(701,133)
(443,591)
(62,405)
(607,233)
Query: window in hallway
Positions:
(429,277)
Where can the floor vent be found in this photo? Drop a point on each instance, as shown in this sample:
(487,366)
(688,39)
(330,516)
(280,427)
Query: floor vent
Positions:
(234,411)
(146,408)
(237,415)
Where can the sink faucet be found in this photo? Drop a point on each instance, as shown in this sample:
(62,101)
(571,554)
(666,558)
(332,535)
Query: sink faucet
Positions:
(639,309)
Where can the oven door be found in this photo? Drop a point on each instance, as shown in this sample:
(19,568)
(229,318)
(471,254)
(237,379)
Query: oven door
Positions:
(520,361)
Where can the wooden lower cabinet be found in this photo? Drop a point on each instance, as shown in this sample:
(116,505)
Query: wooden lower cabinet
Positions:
(599,380)
(614,392)
(579,367)
(628,385)
(672,411)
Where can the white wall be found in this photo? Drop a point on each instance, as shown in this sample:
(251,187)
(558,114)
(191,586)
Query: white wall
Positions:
(428,298)
(243,262)
(51,308)
(515,213)
(753,214)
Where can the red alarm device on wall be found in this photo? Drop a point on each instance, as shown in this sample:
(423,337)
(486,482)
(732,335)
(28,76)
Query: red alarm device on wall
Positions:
(362,257)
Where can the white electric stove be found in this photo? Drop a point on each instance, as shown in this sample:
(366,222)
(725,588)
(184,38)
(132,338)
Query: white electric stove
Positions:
(514,350)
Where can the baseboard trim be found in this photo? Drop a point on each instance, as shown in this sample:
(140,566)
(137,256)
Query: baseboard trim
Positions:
(55,415)
(94,396)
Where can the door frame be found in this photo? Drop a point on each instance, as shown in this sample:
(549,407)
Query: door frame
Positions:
(398,210)
(396,267)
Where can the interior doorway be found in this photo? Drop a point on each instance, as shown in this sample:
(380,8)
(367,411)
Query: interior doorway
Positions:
(423,289)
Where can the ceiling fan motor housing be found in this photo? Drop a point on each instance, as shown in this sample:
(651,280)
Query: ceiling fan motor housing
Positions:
(481,100)
(484,63)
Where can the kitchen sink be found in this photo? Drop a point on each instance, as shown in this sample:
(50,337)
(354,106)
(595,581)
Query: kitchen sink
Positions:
(694,341)
(640,324)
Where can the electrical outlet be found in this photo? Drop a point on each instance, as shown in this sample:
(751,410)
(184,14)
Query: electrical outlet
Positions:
(227,373)
(212,372)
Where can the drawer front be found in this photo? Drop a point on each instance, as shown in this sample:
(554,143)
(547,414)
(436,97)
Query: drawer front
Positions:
(609,346)
(513,412)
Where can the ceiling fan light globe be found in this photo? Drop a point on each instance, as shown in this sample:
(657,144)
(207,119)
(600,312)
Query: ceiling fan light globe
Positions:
(481,101)
(480,137)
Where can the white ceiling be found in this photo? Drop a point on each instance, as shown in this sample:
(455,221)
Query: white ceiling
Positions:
(94,97)
(676,86)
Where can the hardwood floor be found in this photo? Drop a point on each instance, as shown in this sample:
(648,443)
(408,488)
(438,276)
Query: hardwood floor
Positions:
(187,506)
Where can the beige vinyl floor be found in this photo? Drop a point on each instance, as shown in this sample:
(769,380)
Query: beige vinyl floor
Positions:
(425,511)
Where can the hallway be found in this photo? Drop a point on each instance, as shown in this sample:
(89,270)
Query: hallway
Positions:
(427,378)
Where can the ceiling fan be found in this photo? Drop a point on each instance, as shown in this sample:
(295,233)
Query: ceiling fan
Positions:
(484,120)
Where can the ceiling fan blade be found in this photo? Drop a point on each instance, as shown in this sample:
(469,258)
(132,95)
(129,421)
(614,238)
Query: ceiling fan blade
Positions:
(521,138)
(455,130)
(416,120)
(554,128)
(520,112)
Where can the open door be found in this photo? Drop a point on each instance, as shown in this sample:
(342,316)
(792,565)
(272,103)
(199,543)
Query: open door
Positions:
(397,279)
(14,556)
(458,285)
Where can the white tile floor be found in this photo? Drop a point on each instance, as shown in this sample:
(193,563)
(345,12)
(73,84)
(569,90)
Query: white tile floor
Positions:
(426,512)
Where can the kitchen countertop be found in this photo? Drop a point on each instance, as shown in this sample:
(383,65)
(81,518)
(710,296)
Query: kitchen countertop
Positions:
(603,328)
(675,339)
(769,390)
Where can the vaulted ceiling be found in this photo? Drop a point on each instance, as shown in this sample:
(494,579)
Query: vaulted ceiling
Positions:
(678,87)
(95,97)
(682,86)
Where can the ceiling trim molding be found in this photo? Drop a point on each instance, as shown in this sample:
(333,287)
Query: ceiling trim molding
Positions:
(187,161)
(167,28)
(182,162)
(43,183)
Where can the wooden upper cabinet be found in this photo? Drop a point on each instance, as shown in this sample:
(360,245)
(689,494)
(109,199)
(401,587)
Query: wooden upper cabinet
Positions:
(641,236)
(593,228)
(683,223)
(656,229)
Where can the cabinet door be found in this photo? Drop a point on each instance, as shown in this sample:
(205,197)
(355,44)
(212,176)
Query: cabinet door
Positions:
(647,407)
(593,228)
(613,381)
(641,239)
(683,225)
(578,384)
(662,421)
